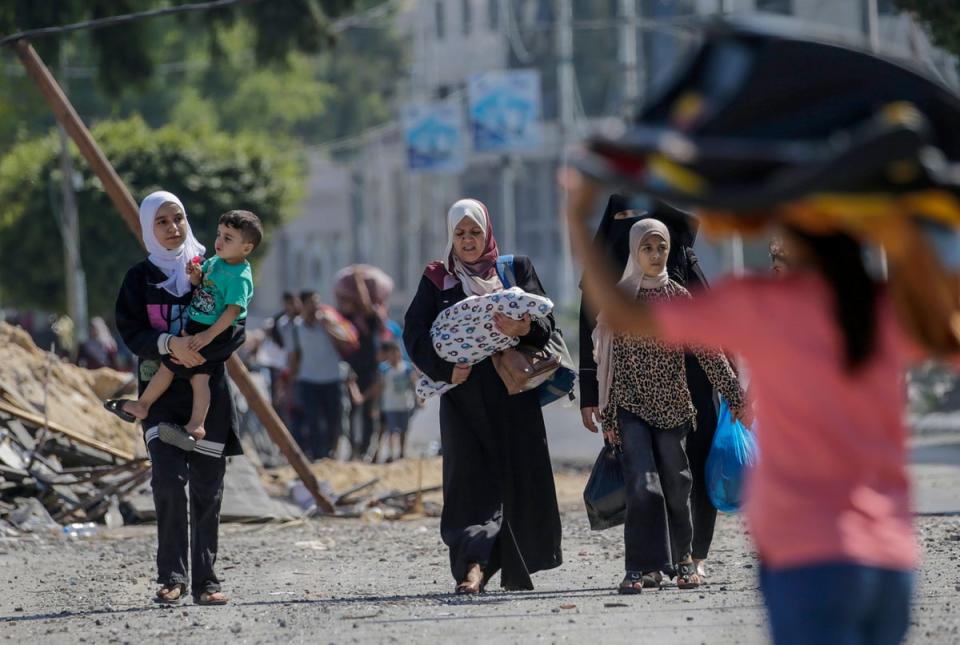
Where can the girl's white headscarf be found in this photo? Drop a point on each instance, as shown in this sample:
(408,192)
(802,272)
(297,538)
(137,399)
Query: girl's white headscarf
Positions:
(477,278)
(632,280)
(172,263)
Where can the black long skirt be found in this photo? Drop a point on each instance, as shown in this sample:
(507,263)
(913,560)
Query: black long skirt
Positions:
(500,502)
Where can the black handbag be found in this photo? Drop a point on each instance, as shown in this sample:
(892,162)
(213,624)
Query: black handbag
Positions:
(605,495)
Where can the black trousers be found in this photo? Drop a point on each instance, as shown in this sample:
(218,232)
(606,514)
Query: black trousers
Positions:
(319,423)
(698,449)
(658,530)
(181,533)
(362,426)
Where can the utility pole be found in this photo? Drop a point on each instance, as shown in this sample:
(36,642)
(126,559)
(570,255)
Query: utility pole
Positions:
(75,279)
(508,202)
(68,118)
(565,82)
(628,56)
(872,24)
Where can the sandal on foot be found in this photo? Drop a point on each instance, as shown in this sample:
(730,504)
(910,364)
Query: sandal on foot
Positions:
(211,598)
(116,406)
(165,594)
(652,580)
(631,584)
(687,576)
(176,436)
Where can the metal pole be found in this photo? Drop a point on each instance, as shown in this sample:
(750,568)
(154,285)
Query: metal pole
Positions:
(508,201)
(74,277)
(628,54)
(67,117)
(873,36)
(565,79)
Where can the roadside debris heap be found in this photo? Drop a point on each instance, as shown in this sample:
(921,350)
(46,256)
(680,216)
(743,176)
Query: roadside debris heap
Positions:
(63,458)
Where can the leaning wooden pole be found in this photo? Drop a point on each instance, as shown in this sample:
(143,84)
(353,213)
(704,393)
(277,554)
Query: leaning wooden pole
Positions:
(67,116)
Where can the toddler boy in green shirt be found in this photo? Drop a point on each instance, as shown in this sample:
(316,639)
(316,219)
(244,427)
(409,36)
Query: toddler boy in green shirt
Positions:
(224,287)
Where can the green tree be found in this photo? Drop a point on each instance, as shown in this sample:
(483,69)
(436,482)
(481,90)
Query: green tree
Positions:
(940,17)
(211,172)
(211,76)
(126,55)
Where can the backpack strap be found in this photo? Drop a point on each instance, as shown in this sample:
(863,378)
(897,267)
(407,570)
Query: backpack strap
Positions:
(505,270)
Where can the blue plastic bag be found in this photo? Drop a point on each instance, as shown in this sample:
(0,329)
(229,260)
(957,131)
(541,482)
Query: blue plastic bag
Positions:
(733,452)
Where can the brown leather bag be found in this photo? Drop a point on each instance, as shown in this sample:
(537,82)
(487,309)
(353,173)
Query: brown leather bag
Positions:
(524,368)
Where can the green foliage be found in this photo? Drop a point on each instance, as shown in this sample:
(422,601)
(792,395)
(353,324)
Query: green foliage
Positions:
(940,17)
(206,74)
(126,54)
(211,172)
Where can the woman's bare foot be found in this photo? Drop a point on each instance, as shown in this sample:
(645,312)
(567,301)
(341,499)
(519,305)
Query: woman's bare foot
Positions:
(473,581)
(701,568)
(196,431)
(137,409)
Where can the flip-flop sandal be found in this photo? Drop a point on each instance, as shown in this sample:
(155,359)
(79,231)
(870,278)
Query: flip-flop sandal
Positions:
(632,584)
(116,406)
(176,436)
(162,599)
(200,600)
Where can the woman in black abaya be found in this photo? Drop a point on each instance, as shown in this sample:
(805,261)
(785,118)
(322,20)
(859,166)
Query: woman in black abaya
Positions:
(500,505)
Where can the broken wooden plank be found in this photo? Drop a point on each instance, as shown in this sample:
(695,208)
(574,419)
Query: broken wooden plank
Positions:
(37,420)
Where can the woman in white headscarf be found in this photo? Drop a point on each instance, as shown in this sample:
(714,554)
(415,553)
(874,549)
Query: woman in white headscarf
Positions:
(500,505)
(646,408)
(151,311)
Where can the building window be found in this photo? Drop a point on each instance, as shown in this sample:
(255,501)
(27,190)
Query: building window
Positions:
(493,14)
(775,6)
(440,19)
(467,17)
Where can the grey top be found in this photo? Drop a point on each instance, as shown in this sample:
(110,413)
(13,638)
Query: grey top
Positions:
(319,360)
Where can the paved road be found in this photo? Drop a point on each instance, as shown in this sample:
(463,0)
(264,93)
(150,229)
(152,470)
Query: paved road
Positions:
(936,457)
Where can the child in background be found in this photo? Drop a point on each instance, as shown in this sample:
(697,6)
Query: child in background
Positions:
(225,284)
(397,386)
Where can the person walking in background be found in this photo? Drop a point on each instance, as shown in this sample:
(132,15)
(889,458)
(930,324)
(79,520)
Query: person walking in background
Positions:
(828,504)
(398,399)
(683,267)
(316,339)
(356,305)
(646,409)
(100,349)
(500,505)
(276,350)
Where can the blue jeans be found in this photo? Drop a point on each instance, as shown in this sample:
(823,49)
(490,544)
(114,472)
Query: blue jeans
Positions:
(837,604)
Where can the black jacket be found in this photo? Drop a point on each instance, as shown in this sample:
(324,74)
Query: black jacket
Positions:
(143,312)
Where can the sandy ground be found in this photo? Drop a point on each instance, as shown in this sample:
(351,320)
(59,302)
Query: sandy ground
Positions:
(325,580)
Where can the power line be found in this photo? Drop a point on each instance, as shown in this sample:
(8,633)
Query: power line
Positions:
(112,21)
(358,20)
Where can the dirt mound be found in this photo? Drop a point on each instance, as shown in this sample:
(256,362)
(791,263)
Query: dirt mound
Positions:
(75,394)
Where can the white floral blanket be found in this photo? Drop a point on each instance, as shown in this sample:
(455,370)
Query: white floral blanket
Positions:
(465,334)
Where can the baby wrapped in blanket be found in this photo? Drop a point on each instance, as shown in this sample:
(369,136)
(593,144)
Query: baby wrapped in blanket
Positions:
(465,333)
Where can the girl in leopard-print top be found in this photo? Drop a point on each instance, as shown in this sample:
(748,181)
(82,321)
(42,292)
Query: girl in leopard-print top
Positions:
(646,409)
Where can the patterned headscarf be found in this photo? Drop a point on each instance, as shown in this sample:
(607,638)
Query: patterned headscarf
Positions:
(480,277)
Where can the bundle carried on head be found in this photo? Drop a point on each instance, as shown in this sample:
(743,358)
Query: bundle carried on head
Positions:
(765,123)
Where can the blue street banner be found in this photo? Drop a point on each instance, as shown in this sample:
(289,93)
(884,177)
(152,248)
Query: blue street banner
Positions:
(434,137)
(505,110)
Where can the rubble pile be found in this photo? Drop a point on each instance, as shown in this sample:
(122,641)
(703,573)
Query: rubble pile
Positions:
(63,458)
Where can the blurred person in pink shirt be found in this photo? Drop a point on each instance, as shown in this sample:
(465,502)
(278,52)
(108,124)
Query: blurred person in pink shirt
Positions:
(828,505)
